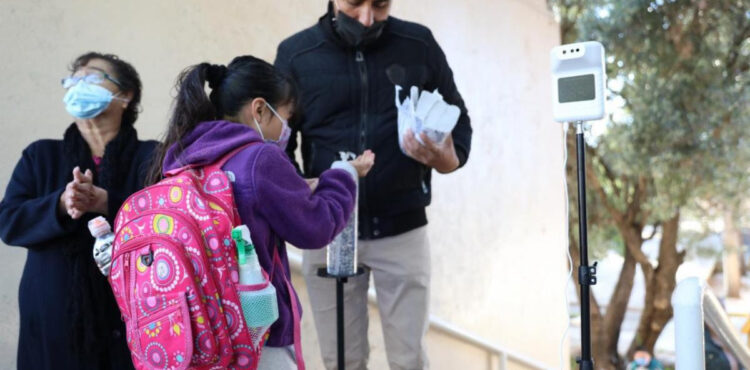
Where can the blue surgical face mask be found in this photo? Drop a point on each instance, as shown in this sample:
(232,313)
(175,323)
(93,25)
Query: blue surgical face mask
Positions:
(286,131)
(641,361)
(84,100)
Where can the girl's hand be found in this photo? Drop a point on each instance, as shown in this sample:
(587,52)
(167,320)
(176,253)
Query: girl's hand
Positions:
(364,163)
(312,183)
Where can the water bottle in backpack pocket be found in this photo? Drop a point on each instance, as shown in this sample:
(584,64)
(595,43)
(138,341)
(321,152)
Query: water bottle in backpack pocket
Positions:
(102,231)
(257,295)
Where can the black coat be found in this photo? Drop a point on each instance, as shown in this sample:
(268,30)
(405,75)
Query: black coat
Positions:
(347,102)
(29,218)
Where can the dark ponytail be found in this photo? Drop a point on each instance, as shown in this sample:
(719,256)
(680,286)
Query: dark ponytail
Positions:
(243,80)
(190,107)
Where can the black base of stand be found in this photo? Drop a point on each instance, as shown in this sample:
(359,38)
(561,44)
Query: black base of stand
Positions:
(585,365)
(340,281)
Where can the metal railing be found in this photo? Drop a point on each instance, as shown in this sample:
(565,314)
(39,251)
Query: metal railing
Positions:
(695,305)
(503,355)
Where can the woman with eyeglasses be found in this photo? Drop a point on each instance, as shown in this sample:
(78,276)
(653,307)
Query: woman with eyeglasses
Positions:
(69,319)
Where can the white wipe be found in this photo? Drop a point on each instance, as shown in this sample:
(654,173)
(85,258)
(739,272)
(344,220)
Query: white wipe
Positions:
(426,112)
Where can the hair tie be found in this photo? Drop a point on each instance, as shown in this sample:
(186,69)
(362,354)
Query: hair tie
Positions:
(215,75)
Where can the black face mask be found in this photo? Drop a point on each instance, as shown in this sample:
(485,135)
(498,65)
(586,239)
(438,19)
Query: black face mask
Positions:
(356,34)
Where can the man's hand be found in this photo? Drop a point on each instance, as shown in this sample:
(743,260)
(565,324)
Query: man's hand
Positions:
(442,157)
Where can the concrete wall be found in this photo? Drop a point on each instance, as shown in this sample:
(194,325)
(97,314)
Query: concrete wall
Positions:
(497,226)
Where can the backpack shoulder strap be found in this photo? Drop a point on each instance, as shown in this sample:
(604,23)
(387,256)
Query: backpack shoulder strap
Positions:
(223,160)
(216,165)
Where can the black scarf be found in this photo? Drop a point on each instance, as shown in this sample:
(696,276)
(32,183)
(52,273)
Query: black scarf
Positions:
(92,309)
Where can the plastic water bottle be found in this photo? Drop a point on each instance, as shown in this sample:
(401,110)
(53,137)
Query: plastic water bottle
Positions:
(100,229)
(341,254)
(259,304)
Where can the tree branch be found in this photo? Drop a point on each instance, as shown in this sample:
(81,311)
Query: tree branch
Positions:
(639,193)
(608,173)
(635,250)
(734,52)
(653,231)
(591,177)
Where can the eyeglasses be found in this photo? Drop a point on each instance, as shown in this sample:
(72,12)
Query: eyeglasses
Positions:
(92,78)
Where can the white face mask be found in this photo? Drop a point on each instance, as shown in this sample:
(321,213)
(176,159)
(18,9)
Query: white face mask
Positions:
(286,131)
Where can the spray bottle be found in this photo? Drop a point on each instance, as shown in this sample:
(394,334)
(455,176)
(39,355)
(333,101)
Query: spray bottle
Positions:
(257,294)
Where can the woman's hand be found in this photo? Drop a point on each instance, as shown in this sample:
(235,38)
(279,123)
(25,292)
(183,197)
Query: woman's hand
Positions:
(82,196)
(363,163)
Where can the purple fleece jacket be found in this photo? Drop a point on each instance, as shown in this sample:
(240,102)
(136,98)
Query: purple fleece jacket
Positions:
(273,201)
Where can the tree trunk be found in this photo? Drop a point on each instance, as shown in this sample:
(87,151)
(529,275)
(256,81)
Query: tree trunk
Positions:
(605,343)
(732,261)
(618,304)
(660,283)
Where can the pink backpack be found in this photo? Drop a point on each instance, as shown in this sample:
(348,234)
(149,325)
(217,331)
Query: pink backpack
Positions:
(175,276)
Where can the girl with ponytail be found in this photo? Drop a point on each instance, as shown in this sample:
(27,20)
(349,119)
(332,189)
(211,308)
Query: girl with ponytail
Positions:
(250,102)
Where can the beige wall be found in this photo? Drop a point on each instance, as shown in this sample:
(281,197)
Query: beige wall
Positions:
(497,226)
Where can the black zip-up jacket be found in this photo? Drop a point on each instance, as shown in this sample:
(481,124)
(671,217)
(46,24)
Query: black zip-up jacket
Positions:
(348,105)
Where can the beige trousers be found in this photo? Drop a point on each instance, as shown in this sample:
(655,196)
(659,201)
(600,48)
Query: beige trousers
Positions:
(400,266)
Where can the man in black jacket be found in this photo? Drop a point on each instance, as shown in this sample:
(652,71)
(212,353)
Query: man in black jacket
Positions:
(346,67)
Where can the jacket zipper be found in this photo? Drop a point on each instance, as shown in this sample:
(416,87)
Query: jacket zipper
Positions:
(364,220)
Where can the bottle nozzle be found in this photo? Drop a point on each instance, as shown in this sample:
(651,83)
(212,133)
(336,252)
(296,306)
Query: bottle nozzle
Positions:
(241,236)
